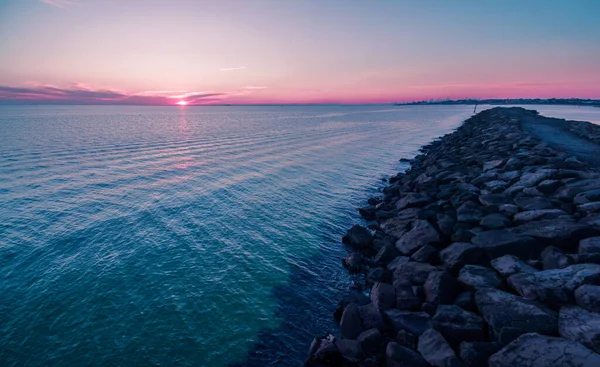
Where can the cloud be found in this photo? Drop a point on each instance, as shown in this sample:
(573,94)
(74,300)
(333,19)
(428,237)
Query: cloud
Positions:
(252,87)
(83,94)
(232,69)
(63,4)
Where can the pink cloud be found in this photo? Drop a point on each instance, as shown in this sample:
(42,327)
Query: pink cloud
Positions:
(84,94)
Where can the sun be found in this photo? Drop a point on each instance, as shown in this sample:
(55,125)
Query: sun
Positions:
(182,103)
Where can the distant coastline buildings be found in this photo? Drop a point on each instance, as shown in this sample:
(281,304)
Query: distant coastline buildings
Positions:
(508,101)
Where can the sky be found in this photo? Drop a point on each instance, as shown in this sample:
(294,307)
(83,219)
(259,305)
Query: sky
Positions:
(164,52)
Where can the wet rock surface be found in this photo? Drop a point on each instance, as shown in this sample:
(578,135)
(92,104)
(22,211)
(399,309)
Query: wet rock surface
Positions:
(486,252)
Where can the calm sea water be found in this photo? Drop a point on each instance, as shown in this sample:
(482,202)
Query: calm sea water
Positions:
(192,236)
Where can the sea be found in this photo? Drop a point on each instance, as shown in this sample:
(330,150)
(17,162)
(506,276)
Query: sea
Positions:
(190,236)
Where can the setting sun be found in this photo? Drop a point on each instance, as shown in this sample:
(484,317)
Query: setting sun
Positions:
(182,103)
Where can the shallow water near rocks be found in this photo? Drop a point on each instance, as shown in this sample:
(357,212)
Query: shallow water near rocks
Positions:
(192,236)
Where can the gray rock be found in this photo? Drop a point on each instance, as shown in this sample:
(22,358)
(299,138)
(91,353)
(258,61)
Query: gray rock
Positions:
(495,186)
(592,207)
(386,254)
(414,272)
(413,322)
(529,215)
(445,224)
(440,288)
(371,317)
(513,164)
(475,277)
(383,296)
(533,203)
(495,221)
(434,348)
(530,179)
(422,233)
(588,297)
(324,352)
(504,312)
(508,209)
(406,299)
(459,254)
(589,246)
(555,286)
(587,197)
(396,227)
(359,237)
(412,200)
(399,356)
(553,258)
(497,243)
(495,199)
(350,350)
(370,341)
(425,254)
(394,264)
(469,213)
(508,265)
(510,175)
(534,350)
(547,187)
(457,324)
(476,354)
(350,324)
(556,232)
(493,164)
(580,325)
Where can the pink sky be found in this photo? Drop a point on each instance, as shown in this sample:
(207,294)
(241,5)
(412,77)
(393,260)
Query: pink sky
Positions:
(262,51)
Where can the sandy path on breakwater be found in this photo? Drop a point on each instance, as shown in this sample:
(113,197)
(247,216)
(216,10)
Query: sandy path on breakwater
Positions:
(554,132)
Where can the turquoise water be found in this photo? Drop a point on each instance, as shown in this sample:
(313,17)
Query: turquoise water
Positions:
(191,236)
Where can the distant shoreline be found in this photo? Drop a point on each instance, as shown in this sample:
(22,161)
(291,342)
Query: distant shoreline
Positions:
(512,101)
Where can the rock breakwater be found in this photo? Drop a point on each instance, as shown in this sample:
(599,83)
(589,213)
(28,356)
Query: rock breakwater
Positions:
(486,252)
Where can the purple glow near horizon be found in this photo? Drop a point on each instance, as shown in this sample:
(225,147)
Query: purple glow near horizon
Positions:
(253,52)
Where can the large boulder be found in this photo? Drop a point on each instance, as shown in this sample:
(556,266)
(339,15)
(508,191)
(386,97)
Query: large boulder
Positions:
(414,272)
(413,322)
(434,348)
(422,233)
(350,324)
(323,352)
(534,350)
(555,286)
(530,179)
(498,243)
(459,254)
(370,341)
(406,299)
(440,288)
(383,296)
(553,258)
(508,265)
(533,203)
(458,325)
(580,325)
(589,246)
(371,317)
(530,215)
(350,350)
(509,316)
(495,221)
(475,277)
(560,232)
(398,356)
(412,200)
(495,200)
(588,297)
(358,237)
